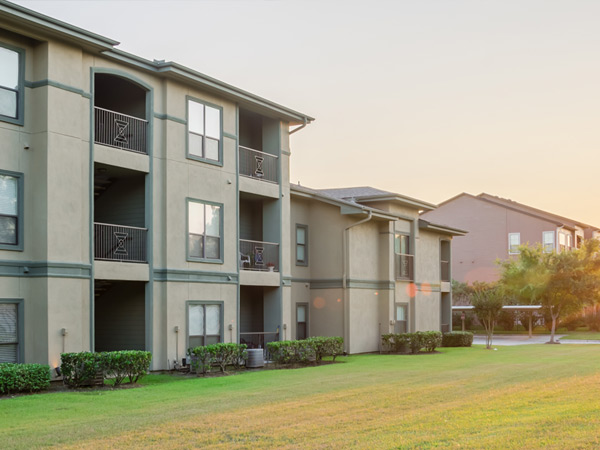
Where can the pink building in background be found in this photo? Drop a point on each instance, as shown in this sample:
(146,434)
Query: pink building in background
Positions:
(497,227)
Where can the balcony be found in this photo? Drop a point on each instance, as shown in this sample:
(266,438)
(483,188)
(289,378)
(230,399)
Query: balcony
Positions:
(258,165)
(259,256)
(404,267)
(122,131)
(119,243)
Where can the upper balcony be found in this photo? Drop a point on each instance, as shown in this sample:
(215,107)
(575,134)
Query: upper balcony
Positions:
(259,161)
(120,113)
(258,165)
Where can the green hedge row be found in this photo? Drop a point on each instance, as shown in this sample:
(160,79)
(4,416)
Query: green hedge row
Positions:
(403,342)
(221,355)
(23,377)
(457,339)
(306,350)
(81,369)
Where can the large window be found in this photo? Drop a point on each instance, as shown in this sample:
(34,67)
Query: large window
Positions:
(548,241)
(301,245)
(205,227)
(514,240)
(403,257)
(204,131)
(9,332)
(11,198)
(11,84)
(205,324)
(401,317)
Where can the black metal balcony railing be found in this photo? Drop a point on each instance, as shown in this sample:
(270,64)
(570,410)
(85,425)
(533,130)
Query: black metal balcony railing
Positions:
(119,243)
(257,164)
(120,130)
(257,255)
(259,340)
(404,267)
(445,268)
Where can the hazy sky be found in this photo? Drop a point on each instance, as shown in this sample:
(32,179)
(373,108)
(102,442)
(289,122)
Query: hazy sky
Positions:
(425,98)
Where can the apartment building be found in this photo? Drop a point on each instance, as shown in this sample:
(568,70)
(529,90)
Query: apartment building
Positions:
(132,193)
(144,205)
(497,227)
(365,264)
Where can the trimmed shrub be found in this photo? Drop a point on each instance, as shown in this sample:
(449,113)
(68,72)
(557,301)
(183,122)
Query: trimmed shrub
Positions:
(397,343)
(132,364)
(430,340)
(457,339)
(80,369)
(221,355)
(23,377)
(401,343)
(326,346)
(304,351)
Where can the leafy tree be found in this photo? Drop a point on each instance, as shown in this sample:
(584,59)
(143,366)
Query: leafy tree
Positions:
(487,303)
(561,282)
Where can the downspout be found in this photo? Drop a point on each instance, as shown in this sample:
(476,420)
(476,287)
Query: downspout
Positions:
(300,127)
(346,324)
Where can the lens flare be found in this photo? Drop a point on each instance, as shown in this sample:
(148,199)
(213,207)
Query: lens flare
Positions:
(319,302)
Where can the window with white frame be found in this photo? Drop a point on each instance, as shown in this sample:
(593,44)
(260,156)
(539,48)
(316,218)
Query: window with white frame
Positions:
(569,241)
(9,336)
(301,245)
(403,258)
(205,224)
(548,241)
(514,240)
(11,228)
(562,241)
(204,131)
(204,324)
(11,84)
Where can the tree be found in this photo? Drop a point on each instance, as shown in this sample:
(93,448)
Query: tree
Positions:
(487,303)
(561,282)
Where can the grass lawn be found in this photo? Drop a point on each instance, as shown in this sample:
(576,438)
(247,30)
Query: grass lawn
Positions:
(585,335)
(532,396)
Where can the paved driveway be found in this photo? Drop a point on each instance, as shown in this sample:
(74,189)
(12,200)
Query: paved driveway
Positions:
(518,339)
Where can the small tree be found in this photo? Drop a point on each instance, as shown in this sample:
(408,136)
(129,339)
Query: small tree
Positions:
(487,303)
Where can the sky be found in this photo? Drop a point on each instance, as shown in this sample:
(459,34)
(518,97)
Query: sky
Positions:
(421,97)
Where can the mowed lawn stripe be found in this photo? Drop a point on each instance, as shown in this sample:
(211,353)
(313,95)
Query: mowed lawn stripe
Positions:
(562,414)
(376,401)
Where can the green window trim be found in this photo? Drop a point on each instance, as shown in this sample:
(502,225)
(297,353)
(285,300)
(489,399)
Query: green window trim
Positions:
(20,326)
(204,303)
(192,258)
(301,247)
(204,138)
(20,88)
(20,211)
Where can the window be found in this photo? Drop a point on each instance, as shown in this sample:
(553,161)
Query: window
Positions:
(205,324)
(514,240)
(205,225)
(548,241)
(562,241)
(401,319)
(11,206)
(9,332)
(301,245)
(204,131)
(403,257)
(11,84)
(301,320)
(569,241)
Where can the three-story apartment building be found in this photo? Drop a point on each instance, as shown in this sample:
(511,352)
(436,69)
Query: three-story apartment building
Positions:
(144,205)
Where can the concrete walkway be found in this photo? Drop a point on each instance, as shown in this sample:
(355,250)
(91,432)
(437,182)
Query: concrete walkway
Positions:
(519,339)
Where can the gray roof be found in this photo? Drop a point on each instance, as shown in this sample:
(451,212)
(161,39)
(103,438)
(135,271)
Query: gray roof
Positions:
(366,194)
